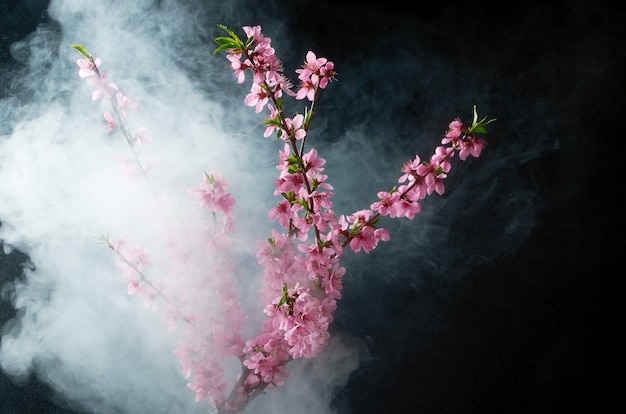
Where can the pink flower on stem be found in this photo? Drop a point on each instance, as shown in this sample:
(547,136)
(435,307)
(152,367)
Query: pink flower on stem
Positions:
(125,103)
(185,355)
(311,67)
(294,127)
(386,201)
(110,121)
(327,73)
(312,163)
(307,90)
(254,33)
(214,195)
(455,130)
(239,68)
(207,381)
(470,145)
(141,136)
(101,86)
(87,67)
(272,121)
(283,212)
(405,208)
(258,97)
(315,72)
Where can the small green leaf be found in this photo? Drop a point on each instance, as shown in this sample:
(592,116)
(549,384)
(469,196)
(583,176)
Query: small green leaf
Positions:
(285,297)
(227,30)
(290,196)
(224,40)
(81,49)
(209,178)
(479,126)
(228,43)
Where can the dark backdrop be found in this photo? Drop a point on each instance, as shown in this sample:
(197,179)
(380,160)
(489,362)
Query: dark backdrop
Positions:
(536,329)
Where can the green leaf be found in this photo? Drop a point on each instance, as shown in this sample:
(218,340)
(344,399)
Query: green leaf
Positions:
(223,40)
(228,43)
(285,297)
(210,179)
(81,49)
(227,30)
(290,196)
(477,126)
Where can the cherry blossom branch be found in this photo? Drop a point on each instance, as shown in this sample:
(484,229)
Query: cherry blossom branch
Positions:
(310,283)
(302,281)
(132,260)
(89,68)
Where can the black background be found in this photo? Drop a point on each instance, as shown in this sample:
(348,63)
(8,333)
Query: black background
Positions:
(535,330)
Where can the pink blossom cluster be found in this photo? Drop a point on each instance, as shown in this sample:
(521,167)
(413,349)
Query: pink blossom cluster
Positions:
(133,260)
(421,178)
(89,68)
(205,306)
(211,329)
(268,81)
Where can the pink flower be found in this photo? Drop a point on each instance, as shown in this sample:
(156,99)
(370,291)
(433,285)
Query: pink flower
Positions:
(125,103)
(254,33)
(268,367)
(185,355)
(213,194)
(294,127)
(208,381)
(141,137)
(110,121)
(455,130)
(101,86)
(307,90)
(327,73)
(257,97)
(311,67)
(363,239)
(87,67)
(441,158)
(272,122)
(289,182)
(283,212)
(238,67)
(385,203)
(470,145)
(315,72)
(410,170)
(333,282)
(405,208)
